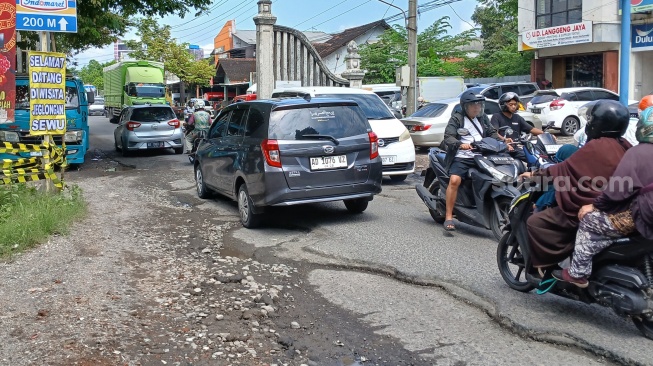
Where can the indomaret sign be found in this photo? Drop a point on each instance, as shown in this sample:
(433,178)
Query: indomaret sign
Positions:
(47,88)
(563,35)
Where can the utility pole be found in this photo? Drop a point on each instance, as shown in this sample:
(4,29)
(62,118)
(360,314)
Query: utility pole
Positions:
(411,98)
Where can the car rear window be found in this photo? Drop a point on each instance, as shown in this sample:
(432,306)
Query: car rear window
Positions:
(372,106)
(546,98)
(430,110)
(335,121)
(154,114)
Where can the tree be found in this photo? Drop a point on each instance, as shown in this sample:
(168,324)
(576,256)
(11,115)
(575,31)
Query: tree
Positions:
(93,73)
(101,22)
(437,52)
(498,25)
(156,44)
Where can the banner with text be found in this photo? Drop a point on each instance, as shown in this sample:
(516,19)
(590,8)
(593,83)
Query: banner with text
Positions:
(563,35)
(47,93)
(7,60)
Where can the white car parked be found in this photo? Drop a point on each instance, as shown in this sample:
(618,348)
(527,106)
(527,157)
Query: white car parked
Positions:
(395,145)
(561,106)
(427,125)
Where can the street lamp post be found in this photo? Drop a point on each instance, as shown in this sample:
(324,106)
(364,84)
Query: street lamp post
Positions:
(624,62)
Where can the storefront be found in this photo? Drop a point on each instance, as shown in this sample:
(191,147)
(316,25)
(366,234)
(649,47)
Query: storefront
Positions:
(641,65)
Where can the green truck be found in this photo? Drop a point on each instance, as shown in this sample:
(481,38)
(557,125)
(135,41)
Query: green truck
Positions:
(130,83)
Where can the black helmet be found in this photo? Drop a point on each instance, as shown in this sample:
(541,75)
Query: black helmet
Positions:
(606,118)
(505,98)
(469,97)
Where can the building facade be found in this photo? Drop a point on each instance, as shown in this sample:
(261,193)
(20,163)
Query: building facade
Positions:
(577,43)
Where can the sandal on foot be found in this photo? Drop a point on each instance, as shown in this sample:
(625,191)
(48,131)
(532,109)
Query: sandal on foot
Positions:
(449,225)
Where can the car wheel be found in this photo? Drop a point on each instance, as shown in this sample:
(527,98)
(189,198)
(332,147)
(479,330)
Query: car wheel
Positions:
(399,178)
(125,150)
(569,126)
(115,145)
(357,205)
(202,190)
(247,217)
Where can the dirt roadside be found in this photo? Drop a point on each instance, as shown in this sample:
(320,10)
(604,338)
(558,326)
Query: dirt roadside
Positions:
(152,277)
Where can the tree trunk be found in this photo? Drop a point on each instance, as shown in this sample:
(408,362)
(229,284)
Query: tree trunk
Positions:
(182,92)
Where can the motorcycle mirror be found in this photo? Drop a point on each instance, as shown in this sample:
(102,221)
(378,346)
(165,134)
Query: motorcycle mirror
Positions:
(463,131)
(509,131)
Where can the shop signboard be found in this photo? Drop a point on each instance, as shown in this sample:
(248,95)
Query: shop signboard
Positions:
(564,35)
(638,6)
(642,37)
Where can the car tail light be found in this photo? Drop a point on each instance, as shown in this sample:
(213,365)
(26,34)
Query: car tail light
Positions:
(271,152)
(418,128)
(174,123)
(557,104)
(132,125)
(374,145)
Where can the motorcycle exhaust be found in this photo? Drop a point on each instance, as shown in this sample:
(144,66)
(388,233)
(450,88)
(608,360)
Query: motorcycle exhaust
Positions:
(426,196)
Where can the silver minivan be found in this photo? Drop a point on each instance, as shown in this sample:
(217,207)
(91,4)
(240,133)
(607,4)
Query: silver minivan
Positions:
(288,152)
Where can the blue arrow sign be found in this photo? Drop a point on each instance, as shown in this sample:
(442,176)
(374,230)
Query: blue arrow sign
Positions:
(46,23)
(46,16)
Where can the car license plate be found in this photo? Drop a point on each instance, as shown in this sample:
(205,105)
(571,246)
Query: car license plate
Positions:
(388,160)
(552,149)
(536,110)
(328,162)
(154,145)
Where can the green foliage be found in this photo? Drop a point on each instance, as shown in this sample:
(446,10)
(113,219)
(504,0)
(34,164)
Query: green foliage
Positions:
(498,25)
(156,44)
(437,52)
(92,73)
(28,216)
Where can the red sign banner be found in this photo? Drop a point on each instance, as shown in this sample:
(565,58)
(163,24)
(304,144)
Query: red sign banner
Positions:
(7,60)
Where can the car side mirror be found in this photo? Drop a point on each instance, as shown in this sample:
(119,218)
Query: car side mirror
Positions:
(90,98)
(463,131)
(114,120)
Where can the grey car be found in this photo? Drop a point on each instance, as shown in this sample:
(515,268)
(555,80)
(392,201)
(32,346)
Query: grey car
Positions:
(288,152)
(144,127)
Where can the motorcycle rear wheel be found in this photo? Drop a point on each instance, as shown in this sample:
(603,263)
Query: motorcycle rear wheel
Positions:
(512,265)
(645,326)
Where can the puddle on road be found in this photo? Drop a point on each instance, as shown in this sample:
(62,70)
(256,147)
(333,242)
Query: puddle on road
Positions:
(233,252)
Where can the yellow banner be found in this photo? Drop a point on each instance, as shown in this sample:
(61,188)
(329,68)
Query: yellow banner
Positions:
(47,88)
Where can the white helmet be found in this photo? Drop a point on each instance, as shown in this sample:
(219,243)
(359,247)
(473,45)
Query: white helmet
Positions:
(199,104)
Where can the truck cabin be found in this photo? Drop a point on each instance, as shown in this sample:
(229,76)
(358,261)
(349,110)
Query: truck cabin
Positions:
(146,90)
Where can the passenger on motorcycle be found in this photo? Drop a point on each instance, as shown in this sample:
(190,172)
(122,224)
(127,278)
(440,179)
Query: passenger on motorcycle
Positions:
(459,155)
(625,206)
(200,120)
(578,182)
(509,103)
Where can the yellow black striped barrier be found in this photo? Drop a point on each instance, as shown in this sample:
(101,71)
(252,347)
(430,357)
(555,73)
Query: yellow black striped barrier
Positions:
(25,170)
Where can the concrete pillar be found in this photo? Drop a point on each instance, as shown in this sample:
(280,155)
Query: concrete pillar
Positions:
(264,21)
(353,73)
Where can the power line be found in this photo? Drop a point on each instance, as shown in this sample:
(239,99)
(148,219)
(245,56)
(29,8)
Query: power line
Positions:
(339,15)
(208,12)
(318,14)
(455,12)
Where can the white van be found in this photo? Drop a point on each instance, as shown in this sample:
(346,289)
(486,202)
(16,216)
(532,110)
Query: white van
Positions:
(395,145)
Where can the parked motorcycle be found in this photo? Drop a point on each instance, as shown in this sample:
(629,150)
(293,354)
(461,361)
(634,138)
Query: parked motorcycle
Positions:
(622,277)
(484,198)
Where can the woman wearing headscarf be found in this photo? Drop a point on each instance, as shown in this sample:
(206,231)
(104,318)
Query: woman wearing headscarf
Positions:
(548,199)
(626,206)
(578,182)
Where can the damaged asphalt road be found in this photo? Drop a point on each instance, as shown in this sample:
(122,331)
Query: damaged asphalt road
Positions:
(156,276)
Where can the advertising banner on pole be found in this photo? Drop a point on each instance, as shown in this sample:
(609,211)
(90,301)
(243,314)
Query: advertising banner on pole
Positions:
(7,60)
(47,88)
(638,6)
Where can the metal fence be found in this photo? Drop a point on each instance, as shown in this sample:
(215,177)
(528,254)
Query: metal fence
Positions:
(503,79)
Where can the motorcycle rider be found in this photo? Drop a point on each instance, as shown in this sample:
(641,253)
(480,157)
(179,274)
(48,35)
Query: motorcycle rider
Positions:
(509,103)
(200,120)
(620,210)
(420,103)
(552,232)
(459,155)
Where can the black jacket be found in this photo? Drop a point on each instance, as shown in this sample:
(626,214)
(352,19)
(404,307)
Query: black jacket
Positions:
(451,136)
(451,141)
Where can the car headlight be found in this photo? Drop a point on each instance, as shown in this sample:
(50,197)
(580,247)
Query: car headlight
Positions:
(9,136)
(73,136)
(496,173)
(404,136)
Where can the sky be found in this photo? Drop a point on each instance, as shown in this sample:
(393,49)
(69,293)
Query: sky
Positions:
(330,16)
